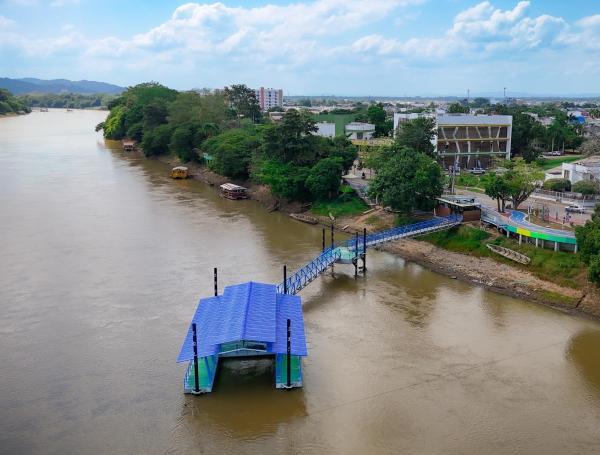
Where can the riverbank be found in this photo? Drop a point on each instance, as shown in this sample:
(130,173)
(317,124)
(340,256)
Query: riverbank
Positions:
(496,276)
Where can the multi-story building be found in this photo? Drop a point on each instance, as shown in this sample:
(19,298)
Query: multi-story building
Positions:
(470,141)
(360,131)
(269,97)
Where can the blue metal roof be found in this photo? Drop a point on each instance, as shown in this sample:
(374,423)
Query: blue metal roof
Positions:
(250,311)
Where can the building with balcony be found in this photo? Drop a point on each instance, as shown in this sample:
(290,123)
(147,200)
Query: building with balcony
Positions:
(269,97)
(472,141)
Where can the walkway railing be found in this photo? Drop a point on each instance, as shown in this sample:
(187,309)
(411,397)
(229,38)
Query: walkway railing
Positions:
(314,268)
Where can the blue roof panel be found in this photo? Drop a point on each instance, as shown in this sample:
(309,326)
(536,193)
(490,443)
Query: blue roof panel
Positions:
(251,312)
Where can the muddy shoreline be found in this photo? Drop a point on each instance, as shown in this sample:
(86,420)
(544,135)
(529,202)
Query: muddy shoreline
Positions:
(494,276)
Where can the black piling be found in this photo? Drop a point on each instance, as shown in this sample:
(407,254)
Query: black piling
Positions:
(215,279)
(364,251)
(195,344)
(289,354)
(356,255)
(285,289)
(331,235)
(323,239)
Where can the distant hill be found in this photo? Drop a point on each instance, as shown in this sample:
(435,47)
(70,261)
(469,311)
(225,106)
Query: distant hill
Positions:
(32,85)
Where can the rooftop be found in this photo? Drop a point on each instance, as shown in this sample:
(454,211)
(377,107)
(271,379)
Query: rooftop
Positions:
(464,119)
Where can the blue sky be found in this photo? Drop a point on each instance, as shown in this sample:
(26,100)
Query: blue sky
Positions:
(316,47)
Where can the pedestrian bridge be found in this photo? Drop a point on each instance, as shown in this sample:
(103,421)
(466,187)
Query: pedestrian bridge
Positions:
(256,319)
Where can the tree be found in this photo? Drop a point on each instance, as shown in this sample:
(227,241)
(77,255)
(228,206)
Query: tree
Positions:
(521,180)
(408,180)
(457,108)
(417,134)
(292,139)
(323,180)
(590,147)
(586,187)
(588,241)
(182,142)
(232,152)
(154,113)
(243,100)
(341,147)
(156,141)
(480,102)
(377,116)
(557,185)
(285,179)
(594,113)
(496,187)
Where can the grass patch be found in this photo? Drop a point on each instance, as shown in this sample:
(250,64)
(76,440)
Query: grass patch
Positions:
(549,163)
(562,268)
(346,204)
(462,239)
(554,297)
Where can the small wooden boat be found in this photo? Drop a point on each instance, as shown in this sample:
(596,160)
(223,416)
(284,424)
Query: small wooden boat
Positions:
(179,172)
(128,145)
(304,218)
(232,191)
(509,254)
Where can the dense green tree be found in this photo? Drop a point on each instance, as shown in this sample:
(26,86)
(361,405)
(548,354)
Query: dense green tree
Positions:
(595,113)
(199,107)
(341,147)
(243,101)
(586,187)
(232,152)
(114,125)
(417,134)
(408,180)
(588,241)
(557,185)
(292,139)
(285,179)
(153,114)
(457,108)
(135,132)
(182,142)
(497,188)
(324,178)
(377,116)
(9,104)
(521,180)
(480,102)
(156,141)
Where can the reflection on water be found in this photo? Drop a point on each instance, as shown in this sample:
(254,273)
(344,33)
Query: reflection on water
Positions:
(103,258)
(584,351)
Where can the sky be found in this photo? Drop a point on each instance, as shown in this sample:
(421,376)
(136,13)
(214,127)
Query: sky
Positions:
(311,47)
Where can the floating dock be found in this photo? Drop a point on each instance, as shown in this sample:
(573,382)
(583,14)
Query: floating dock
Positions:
(247,320)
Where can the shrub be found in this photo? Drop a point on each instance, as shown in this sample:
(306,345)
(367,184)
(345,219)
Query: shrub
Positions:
(557,185)
(586,187)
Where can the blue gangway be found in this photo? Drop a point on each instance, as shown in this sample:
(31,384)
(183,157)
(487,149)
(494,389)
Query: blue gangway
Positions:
(306,274)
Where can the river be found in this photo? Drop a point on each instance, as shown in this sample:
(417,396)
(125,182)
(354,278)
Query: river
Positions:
(103,259)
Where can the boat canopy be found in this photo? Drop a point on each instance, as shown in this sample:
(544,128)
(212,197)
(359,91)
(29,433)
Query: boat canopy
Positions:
(247,312)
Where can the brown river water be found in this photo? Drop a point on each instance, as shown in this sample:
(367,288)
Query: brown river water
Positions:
(103,259)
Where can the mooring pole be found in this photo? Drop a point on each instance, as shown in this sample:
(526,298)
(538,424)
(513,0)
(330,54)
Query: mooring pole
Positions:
(215,279)
(356,255)
(195,344)
(364,251)
(323,239)
(289,354)
(285,279)
(331,235)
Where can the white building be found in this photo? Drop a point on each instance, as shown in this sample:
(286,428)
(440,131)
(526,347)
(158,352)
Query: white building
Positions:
(269,97)
(325,129)
(358,130)
(586,169)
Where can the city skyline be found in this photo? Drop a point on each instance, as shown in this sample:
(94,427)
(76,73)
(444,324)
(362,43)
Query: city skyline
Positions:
(323,47)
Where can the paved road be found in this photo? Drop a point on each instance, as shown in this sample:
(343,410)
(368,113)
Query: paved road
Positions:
(557,210)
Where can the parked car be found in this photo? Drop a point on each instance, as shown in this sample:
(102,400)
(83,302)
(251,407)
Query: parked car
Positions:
(575,209)
(477,170)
